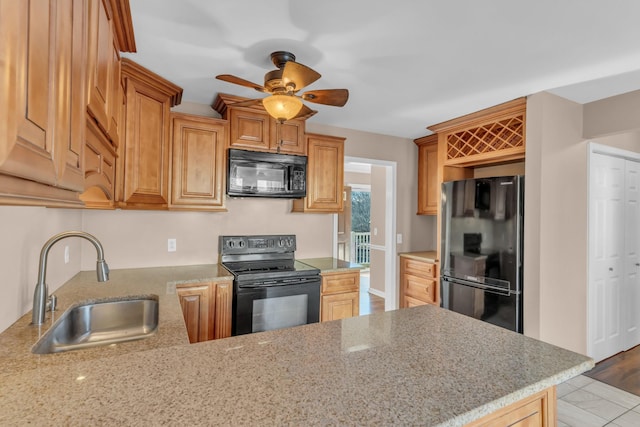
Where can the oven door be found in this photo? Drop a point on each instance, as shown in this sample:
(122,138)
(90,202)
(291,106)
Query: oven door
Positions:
(491,304)
(265,307)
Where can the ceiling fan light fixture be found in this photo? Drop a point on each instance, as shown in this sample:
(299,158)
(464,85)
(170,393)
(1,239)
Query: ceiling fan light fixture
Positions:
(282,107)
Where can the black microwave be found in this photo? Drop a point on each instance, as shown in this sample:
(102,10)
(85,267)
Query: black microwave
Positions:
(259,174)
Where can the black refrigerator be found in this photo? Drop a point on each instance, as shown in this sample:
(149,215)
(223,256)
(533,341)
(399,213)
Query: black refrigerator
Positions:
(481,249)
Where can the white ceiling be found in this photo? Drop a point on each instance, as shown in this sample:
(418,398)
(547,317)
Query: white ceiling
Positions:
(408,64)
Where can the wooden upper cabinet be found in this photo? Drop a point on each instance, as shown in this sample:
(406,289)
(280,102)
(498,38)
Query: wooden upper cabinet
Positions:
(143,162)
(198,162)
(325,175)
(110,32)
(486,137)
(251,128)
(428,186)
(42,89)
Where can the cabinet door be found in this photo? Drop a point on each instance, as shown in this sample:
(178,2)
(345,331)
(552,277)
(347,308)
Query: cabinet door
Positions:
(340,306)
(41,82)
(144,156)
(196,309)
(104,84)
(222,316)
(198,166)
(325,175)
(289,137)
(249,129)
(428,189)
(100,163)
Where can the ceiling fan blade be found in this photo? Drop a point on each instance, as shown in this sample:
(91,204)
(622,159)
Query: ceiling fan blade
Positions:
(335,97)
(242,82)
(305,113)
(299,75)
(246,103)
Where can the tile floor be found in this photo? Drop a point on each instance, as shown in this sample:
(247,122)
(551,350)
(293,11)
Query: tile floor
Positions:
(585,402)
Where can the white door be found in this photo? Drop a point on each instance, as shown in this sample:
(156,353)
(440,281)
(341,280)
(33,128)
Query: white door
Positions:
(606,246)
(631,287)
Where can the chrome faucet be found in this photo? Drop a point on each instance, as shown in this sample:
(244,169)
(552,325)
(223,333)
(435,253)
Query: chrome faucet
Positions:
(41,298)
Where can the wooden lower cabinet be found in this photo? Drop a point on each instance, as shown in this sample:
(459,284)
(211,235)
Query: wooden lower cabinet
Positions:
(339,295)
(206,308)
(418,282)
(538,410)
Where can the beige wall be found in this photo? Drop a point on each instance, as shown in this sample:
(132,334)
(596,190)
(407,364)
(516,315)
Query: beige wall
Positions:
(613,115)
(378,232)
(555,254)
(357,178)
(139,238)
(24,231)
(556,196)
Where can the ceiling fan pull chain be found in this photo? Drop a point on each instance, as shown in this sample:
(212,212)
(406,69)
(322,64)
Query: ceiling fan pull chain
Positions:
(279,134)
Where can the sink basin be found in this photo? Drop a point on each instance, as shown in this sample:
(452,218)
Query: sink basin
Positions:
(100,322)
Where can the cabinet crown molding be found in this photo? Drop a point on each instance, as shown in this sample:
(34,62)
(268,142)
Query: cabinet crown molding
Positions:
(482,116)
(123,25)
(141,74)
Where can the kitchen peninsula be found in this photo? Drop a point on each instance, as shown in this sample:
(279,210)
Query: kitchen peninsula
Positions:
(415,366)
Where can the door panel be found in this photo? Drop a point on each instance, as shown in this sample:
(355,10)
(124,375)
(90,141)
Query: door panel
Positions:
(606,264)
(631,299)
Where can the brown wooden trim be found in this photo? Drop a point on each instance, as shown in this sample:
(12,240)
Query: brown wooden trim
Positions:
(158,83)
(424,140)
(17,191)
(483,116)
(123,25)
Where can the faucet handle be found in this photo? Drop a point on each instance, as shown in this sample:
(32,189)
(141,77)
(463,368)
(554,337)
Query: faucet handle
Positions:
(52,303)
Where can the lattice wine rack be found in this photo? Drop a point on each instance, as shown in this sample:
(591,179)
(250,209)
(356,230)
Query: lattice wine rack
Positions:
(494,134)
(487,138)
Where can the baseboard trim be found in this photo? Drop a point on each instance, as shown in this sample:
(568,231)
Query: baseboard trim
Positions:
(377,293)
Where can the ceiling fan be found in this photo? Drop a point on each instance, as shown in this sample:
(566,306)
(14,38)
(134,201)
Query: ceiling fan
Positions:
(283,84)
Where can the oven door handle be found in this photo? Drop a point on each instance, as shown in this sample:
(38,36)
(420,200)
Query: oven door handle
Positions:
(275,283)
(481,286)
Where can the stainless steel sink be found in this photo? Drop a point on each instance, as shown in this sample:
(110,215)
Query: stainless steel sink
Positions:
(100,322)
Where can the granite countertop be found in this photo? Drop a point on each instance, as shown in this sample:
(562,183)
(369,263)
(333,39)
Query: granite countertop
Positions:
(17,340)
(409,366)
(429,256)
(330,265)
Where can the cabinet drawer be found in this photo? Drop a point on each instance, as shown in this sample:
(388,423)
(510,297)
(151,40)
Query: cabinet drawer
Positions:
(420,288)
(412,302)
(419,268)
(340,282)
(340,306)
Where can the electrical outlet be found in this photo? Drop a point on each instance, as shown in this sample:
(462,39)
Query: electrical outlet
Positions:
(171,245)
(399,238)
(66,254)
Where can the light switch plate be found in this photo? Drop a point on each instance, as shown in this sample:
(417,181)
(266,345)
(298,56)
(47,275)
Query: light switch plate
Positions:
(171,245)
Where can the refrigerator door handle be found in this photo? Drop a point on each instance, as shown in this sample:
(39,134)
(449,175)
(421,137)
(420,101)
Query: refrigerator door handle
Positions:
(481,286)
